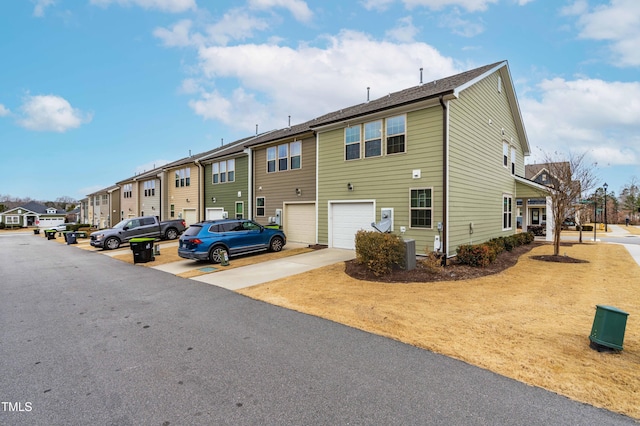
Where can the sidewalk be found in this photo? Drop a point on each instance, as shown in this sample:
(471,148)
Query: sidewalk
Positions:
(617,231)
(251,275)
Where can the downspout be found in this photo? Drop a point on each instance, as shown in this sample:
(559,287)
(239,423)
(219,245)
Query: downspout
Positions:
(201,195)
(445,131)
(248,214)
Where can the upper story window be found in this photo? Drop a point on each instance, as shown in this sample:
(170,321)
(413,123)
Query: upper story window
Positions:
(373,139)
(352,143)
(105,199)
(393,129)
(513,161)
(183,177)
(127,190)
(224,171)
(505,153)
(284,157)
(149,188)
(396,134)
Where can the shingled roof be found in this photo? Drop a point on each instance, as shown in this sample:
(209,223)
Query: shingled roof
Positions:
(408,96)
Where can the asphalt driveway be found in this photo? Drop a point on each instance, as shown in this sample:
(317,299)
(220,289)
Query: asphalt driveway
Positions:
(86,339)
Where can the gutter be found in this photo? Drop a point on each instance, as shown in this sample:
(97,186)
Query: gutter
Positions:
(445,132)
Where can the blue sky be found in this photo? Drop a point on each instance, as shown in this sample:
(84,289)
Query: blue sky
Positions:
(94,91)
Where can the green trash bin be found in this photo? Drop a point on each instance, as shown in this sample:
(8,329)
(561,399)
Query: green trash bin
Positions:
(50,233)
(142,249)
(608,327)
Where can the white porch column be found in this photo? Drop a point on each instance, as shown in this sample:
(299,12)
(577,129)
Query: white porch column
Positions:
(525,214)
(550,224)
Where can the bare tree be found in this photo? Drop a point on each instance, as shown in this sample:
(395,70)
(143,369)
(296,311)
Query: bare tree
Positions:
(630,197)
(570,179)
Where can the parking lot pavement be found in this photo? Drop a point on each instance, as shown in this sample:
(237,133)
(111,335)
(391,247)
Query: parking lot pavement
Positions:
(250,275)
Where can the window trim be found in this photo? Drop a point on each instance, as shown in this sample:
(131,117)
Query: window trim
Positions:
(403,134)
(507,212)
(379,138)
(263,206)
(386,138)
(218,176)
(411,208)
(359,142)
(505,154)
(241,214)
(513,161)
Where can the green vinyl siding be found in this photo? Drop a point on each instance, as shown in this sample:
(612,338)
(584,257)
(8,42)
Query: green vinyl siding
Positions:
(387,179)
(226,194)
(477,178)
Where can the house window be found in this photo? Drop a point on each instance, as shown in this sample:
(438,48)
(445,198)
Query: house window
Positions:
(513,161)
(373,139)
(150,188)
(507,211)
(421,209)
(223,171)
(505,154)
(127,190)
(352,143)
(172,210)
(283,157)
(395,135)
(239,210)
(271,159)
(259,206)
(13,220)
(183,177)
(295,150)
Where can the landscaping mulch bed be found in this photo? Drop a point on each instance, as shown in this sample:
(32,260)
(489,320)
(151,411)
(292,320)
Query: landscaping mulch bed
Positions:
(454,271)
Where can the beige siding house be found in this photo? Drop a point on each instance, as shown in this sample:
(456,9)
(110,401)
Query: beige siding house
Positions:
(442,161)
(182,182)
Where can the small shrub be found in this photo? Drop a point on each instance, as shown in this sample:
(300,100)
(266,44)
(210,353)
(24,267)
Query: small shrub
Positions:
(586,227)
(2,225)
(433,261)
(476,255)
(379,252)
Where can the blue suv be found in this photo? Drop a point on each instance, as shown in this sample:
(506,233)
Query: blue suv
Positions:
(211,240)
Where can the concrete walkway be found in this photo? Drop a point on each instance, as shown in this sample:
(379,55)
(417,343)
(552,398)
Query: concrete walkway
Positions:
(250,275)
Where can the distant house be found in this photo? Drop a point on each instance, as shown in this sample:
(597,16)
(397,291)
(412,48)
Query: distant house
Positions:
(103,207)
(140,195)
(32,214)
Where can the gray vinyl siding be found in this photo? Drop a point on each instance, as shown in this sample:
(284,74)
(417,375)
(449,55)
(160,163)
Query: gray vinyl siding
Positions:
(280,187)
(477,177)
(386,179)
(226,194)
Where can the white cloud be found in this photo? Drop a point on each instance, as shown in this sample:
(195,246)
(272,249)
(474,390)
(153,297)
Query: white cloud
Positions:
(578,7)
(279,81)
(4,111)
(380,5)
(298,8)
(405,31)
(469,5)
(151,165)
(177,36)
(235,25)
(459,26)
(586,115)
(618,23)
(41,5)
(51,113)
(172,6)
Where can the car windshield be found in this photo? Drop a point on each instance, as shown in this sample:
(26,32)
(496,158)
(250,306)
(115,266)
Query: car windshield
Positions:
(121,224)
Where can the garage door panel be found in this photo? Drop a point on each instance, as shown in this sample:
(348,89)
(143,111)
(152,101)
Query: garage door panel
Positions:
(300,223)
(347,219)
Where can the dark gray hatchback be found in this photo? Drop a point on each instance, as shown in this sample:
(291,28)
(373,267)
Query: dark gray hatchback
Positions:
(211,240)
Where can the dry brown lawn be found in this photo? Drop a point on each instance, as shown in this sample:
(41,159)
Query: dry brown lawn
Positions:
(530,322)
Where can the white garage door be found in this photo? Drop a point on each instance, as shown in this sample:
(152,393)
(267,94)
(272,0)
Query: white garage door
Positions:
(215,214)
(346,219)
(190,216)
(300,223)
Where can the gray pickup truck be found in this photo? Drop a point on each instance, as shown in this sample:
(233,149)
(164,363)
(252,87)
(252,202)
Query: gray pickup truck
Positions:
(137,227)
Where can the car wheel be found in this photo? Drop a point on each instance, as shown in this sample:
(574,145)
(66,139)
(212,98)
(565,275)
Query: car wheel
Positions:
(276,244)
(217,253)
(112,243)
(171,234)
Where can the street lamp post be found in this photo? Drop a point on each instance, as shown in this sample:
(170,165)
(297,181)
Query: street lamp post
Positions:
(605,186)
